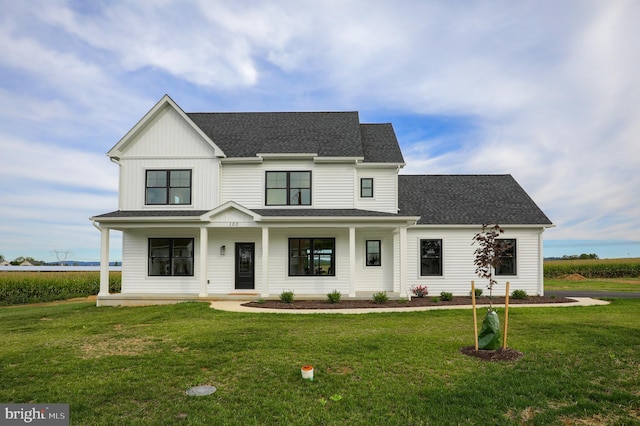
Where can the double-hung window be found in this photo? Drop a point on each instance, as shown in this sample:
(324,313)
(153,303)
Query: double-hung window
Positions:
(366,188)
(508,259)
(170,256)
(312,256)
(430,258)
(373,253)
(168,187)
(288,188)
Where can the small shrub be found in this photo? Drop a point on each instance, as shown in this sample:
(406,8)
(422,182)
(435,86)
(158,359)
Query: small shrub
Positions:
(420,291)
(261,301)
(445,296)
(287,296)
(380,297)
(519,294)
(435,299)
(334,296)
(478,292)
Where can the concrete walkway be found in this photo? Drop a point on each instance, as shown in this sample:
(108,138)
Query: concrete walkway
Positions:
(236,306)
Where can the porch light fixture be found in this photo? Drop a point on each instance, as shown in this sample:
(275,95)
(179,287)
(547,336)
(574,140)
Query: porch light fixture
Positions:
(223,249)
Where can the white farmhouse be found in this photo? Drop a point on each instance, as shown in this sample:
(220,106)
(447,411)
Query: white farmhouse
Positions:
(247,205)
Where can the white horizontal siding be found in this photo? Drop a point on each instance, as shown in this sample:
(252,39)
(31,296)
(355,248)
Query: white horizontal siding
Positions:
(333,186)
(244,184)
(221,267)
(458,258)
(385,190)
(374,278)
(135,252)
(279,279)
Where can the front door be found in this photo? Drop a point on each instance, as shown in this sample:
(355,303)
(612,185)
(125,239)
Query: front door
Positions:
(245,266)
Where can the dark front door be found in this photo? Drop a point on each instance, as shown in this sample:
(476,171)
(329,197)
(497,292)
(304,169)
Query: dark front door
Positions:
(245,266)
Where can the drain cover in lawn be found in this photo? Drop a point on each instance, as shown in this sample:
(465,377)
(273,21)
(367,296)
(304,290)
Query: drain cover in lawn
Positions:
(201,390)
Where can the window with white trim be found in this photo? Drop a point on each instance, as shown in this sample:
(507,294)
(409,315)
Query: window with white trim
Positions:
(288,188)
(508,260)
(170,256)
(168,187)
(430,258)
(366,187)
(312,256)
(374,254)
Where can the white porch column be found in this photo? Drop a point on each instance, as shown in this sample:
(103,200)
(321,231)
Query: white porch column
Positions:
(104,262)
(352,261)
(264,285)
(204,254)
(403,262)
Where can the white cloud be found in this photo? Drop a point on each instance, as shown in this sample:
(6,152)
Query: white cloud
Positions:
(550,87)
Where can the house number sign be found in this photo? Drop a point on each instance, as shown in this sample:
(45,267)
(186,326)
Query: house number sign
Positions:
(234,224)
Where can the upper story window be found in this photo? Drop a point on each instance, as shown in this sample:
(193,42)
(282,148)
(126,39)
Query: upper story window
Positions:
(168,187)
(430,258)
(508,259)
(366,187)
(288,189)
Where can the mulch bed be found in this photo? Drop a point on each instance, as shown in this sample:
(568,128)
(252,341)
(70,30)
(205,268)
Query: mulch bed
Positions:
(414,302)
(506,354)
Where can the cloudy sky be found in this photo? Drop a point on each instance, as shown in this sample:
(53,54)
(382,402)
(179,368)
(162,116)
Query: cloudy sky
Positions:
(547,91)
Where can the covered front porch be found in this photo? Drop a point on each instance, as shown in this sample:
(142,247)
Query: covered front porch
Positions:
(240,254)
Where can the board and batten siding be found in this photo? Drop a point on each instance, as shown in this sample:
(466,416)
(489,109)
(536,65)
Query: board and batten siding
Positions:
(204,182)
(168,135)
(458,257)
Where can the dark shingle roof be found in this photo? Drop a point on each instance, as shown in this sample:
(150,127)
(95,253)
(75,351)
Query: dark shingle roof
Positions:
(376,144)
(327,134)
(467,199)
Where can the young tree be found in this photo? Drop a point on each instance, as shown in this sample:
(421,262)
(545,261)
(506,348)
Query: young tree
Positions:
(488,258)
(489,254)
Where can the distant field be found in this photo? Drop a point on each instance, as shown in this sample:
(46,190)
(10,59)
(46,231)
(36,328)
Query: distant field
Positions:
(593,268)
(18,287)
(603,284)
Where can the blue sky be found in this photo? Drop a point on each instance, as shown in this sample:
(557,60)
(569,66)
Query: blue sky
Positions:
(544,90)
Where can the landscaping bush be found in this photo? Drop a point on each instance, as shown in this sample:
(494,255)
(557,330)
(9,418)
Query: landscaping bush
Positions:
(478,292)
(287,296)
(519,294)
(334,296)
(445,296)
(420,291)
(380,297)
(33,287)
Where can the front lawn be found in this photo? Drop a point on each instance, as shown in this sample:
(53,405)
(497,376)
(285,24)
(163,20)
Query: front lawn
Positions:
(133,366)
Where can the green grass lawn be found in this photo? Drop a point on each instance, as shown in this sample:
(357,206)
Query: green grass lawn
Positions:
(604,284)
(133,366)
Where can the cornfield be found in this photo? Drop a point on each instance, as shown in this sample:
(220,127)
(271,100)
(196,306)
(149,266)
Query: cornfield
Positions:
(593,268)
(18,287)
